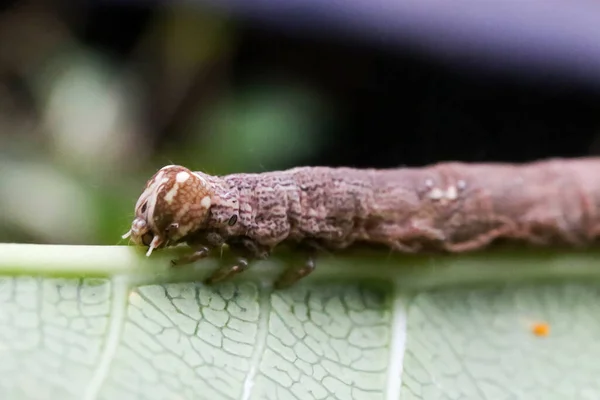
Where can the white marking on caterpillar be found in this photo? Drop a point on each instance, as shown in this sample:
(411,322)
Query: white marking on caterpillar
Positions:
(436,194)
(205,202)
(451,193)
(182,177)
(171,193)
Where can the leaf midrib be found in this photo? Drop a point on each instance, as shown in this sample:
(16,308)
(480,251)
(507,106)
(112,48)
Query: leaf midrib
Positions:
(114,330)
(411,272)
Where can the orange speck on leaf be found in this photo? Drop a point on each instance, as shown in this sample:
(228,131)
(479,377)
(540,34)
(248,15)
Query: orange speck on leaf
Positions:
(541,329)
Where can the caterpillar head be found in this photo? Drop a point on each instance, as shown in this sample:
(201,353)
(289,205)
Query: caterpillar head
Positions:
(175,202)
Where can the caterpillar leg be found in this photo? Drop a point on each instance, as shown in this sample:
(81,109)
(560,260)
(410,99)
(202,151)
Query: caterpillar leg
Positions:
(201,247)
(246,250)
(499,228)
(199,253)
(295,273)
(227,271)
(409,239)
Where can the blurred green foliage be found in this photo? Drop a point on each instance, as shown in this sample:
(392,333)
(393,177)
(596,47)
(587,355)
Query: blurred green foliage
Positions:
(74,159)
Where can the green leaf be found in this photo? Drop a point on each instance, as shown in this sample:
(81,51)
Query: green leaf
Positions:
(105,322)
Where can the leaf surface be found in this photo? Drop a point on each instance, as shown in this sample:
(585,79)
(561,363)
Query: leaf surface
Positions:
(362,328)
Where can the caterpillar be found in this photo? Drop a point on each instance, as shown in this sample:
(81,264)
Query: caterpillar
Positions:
(448,207)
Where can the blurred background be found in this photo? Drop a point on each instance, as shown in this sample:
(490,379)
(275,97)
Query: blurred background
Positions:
(95,96)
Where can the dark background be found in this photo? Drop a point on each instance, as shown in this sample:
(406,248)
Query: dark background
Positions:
(222,92)
(393,106)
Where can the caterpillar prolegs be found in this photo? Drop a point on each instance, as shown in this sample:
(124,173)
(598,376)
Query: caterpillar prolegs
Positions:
(447,207)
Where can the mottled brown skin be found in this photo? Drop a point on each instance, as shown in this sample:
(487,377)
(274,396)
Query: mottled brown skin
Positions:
(447,207)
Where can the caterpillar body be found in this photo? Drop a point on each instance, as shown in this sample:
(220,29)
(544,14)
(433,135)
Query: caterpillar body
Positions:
(446,207)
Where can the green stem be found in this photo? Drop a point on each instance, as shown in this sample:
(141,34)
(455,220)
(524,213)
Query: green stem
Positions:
(406,271)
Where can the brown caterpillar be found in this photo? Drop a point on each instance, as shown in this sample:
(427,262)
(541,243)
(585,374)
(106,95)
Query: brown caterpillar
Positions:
(446,207)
